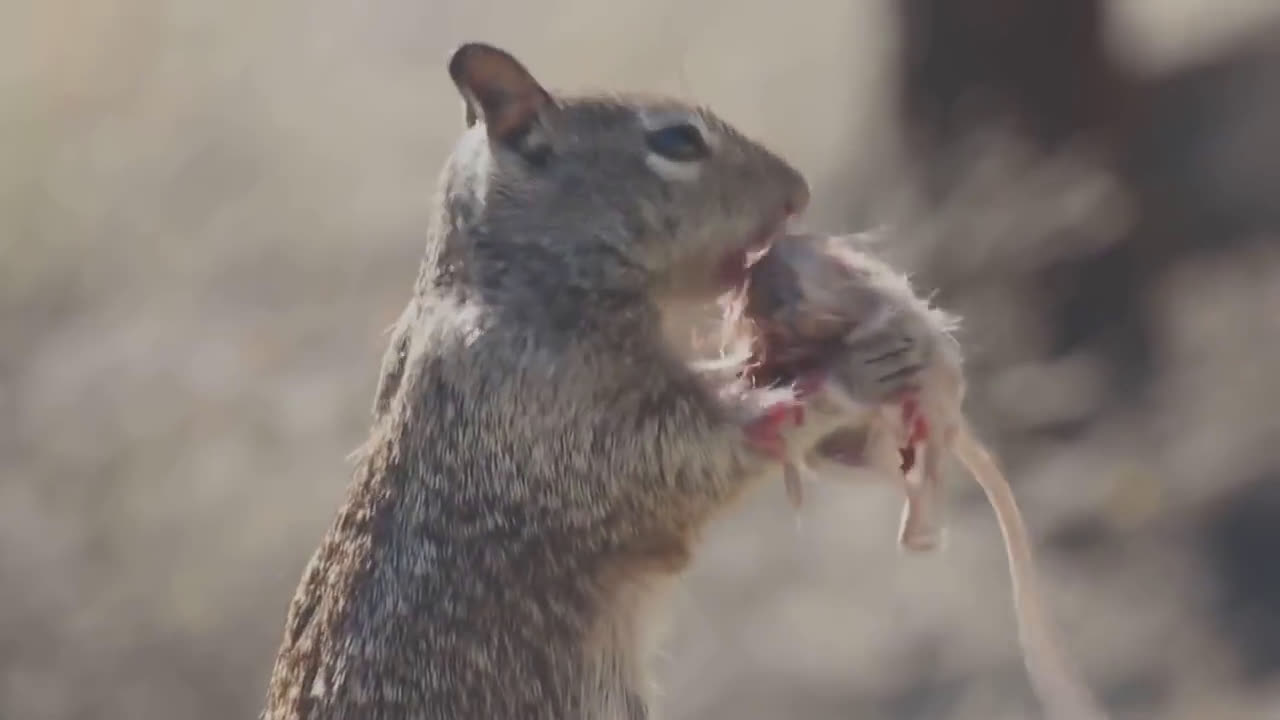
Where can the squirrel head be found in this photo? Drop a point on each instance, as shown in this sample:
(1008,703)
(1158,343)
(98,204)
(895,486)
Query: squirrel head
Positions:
(606,191)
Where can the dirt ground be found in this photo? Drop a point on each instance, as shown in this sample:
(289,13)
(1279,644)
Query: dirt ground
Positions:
(210,213)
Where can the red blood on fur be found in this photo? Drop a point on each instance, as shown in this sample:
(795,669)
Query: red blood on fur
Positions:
(918,431)
(765,433)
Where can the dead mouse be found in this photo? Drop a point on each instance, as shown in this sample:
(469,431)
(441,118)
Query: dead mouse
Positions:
(899,375)
(820,307)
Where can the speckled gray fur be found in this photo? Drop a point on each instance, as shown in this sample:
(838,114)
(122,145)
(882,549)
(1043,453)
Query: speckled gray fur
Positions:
(541,459)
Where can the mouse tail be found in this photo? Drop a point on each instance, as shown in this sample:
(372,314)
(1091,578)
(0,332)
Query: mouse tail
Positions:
(1063,694)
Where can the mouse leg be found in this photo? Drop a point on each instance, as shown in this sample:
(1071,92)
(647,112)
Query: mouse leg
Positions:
(922,526)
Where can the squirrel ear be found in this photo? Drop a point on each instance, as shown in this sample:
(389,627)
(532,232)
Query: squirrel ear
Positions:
(499,91)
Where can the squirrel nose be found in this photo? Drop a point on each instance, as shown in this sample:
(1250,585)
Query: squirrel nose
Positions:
(799,199)
(793,183)
(777,175)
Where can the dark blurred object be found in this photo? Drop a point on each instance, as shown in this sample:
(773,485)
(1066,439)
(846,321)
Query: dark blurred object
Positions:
(1188,147)
(1201,148)
(1193,149)
(1040,63)
(1240,541)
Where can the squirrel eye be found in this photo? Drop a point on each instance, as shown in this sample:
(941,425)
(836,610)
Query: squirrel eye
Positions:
(681,142)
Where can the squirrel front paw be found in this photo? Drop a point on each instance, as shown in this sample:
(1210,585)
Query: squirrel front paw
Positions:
(768,429)
(765,432)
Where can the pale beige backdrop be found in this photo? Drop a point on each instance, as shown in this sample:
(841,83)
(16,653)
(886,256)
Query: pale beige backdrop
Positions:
(210,211)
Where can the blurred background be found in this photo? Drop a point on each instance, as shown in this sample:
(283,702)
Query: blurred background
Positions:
(211,211)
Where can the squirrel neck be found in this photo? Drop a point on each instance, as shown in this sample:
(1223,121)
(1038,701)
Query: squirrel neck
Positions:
(558,283)
(499,249)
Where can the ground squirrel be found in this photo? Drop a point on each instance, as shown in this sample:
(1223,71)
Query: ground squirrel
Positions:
(542,457)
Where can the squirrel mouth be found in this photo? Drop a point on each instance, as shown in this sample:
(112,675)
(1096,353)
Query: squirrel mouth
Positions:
(736,266)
